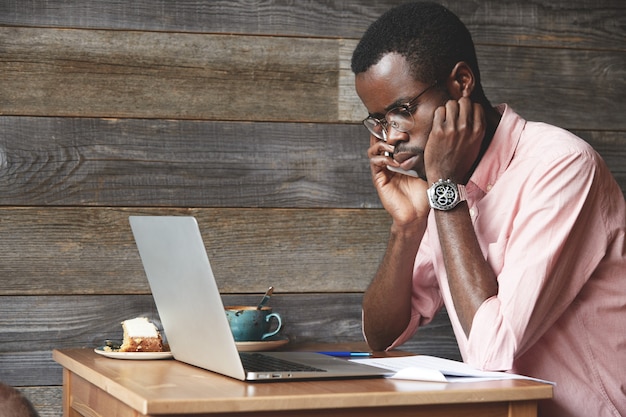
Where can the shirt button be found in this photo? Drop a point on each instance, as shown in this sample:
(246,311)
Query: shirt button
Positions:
(489,187)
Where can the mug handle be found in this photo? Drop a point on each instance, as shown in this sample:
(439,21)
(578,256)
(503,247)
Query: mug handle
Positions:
(280,323)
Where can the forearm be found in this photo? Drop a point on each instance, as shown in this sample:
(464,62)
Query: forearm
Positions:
(470,277)
(387,301)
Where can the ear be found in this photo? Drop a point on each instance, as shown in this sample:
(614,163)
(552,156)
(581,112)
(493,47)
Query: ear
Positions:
(461,81)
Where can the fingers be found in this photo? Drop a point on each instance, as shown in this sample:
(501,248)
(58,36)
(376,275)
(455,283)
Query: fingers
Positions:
(459,117)
(455,138)
(439,119)
(449,120)
(455,115)
(380,152)
(458,120)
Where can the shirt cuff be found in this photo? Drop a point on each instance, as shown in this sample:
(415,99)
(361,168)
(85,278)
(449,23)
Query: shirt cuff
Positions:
(407,334)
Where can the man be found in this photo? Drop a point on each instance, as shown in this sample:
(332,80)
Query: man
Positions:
(516,227)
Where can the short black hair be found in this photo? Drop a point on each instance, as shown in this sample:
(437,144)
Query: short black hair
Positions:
(430,37)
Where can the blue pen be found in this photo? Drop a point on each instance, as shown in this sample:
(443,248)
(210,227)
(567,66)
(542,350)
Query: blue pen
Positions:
(343,354)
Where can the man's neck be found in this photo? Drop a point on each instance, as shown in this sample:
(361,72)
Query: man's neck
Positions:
(492,117)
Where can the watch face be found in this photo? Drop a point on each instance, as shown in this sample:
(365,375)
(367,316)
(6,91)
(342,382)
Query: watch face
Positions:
(444,195)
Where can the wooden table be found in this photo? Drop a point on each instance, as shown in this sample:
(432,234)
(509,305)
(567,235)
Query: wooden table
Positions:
(97,386)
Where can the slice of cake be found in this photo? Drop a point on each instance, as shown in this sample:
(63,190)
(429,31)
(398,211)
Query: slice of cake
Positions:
(140,335)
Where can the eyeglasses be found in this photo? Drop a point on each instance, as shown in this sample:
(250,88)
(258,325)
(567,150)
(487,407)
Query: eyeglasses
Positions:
(400,118)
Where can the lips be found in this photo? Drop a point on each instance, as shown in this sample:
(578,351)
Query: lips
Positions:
(407,160)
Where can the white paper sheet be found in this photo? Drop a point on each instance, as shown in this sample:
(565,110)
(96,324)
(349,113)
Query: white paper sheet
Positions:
(430,368)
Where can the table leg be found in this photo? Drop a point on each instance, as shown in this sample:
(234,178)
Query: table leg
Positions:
(66,393)
(523,409)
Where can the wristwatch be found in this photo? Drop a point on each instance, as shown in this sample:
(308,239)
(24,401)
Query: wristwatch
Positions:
(445,195)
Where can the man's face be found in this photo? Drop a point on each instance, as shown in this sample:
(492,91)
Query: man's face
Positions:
(389,84)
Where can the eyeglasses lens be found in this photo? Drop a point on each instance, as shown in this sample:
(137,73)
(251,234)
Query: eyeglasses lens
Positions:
(374,126)
(400,119)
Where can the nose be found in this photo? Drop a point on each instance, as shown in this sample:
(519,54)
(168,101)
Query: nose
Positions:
(393,136)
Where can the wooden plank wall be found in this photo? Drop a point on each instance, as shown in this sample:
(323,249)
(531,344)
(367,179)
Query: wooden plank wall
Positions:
(244,115)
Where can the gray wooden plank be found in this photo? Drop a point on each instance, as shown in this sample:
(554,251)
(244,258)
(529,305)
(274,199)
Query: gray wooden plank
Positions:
(29,368)
(144,162)
(52,322)
(47,400)
(320,18)
(169,163)
(580,24)
(167,75)
(49,250)
(563,23)
(573,89)
(88,73)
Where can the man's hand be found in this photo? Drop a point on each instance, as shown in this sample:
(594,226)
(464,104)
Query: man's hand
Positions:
(404,197)
(454,141)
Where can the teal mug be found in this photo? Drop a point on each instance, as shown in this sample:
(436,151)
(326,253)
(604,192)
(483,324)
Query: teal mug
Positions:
(249,324)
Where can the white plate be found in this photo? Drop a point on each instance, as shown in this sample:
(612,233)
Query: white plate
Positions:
(271,343)
(133,355)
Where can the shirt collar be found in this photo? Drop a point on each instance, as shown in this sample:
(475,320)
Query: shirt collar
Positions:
(500,151)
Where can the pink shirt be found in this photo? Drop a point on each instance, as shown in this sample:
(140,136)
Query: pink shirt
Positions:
(550,220)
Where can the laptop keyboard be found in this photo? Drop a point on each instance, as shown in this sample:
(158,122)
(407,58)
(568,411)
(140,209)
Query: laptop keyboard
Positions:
(257,362)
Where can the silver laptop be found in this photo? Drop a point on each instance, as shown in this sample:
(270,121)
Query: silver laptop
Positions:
(192,313)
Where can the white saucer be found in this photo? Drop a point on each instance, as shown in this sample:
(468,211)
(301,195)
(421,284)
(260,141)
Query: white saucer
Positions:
(132,355)
(257,346)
